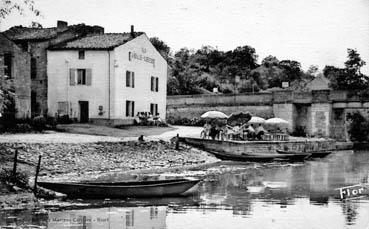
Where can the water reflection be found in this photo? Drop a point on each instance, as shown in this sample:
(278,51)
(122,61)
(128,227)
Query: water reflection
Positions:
(127,218)
(298,195)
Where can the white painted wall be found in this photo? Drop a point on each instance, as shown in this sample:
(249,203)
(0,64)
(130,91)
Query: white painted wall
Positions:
(141,93)
(59,88)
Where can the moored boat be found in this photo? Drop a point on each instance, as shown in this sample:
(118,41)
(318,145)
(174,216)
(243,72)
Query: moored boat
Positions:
(93,190)
(313,154)
(259,157)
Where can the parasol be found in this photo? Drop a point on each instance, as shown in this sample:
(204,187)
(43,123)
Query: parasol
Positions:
(214,115)
(276,121)
(256,120)
(238,118)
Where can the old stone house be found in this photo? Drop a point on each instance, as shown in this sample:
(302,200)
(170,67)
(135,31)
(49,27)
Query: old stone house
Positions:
(34,42)
(14,71)
(107,78)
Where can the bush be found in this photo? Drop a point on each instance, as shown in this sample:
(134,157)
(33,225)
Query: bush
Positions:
(359,127)
(300,131)
(64,119)
(185,121)
(23,128)
(39,123)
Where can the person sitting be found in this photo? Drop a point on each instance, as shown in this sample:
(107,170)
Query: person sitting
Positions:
(206,131)
(259,132)
(214,131)
(236,132)
(250,132)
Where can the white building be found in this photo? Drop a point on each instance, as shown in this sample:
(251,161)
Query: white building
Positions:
(106,78)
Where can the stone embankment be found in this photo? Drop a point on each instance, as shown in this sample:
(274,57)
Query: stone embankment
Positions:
(77,161)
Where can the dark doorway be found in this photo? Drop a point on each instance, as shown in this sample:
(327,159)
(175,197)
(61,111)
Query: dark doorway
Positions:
(34,104)
(83,109)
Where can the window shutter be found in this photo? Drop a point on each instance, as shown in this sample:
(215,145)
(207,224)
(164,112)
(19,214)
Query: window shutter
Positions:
(88,76)
(133,108)
(72,76)
(127,78)
(133,79)
(151,108)
(156,109)
(157,84)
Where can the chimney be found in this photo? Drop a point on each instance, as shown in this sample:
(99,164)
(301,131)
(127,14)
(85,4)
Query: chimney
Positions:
(61,25)
(132,31)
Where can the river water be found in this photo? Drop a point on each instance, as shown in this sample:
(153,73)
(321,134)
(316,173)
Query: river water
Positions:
(233,195)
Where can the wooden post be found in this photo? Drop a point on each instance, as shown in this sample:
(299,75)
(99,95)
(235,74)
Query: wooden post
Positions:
(177,142)
(15,164)
(37,171)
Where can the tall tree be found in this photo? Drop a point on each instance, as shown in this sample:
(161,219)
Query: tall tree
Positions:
(161,46)
(350,77)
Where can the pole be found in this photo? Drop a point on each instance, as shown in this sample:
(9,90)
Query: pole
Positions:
(15,164)
(177,142)
(37,172)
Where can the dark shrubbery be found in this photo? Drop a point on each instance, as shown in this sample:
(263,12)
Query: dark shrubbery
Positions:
(359,127)
(185,121)
(300,131)
(39,123)
(64,119)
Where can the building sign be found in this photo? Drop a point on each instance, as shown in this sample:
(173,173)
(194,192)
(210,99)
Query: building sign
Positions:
(285,84)
(142,57)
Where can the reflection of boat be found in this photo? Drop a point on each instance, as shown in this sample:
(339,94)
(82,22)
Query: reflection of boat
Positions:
(258,157)
(122,189)
(255,189)
(312,153)
(275,184)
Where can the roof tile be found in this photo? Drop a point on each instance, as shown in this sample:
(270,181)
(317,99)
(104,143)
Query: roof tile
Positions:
(98,41)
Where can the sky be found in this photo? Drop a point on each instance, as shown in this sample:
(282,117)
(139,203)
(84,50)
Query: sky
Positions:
(313,32)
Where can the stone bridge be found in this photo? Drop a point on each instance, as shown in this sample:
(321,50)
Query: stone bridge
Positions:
(319,112)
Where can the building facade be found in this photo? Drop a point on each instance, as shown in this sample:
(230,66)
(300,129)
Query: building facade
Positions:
(106,78)
(35,41)
(15,72)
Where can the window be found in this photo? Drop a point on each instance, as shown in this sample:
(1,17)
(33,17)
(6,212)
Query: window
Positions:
(33,68)
(154,108)
(130,79)
(154,83)
(81,76)
(129,56)
(8,64)
(62,108)
(130,108)
(81,55)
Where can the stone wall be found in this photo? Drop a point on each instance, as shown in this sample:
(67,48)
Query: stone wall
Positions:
(21,78)
(191,106)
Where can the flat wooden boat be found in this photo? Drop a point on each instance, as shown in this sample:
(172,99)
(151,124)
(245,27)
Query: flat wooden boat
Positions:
(313,154)
(95,190)
(259,157)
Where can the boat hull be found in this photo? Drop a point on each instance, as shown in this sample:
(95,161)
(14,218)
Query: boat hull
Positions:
(121,190)
(259,157)
(313,154)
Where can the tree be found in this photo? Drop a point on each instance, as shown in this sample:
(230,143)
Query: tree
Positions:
(270,61)
(350,77)
(8,6)
(313,70)
(161,46)
(354,62)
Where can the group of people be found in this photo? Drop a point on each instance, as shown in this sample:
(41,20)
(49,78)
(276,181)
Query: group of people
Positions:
(146,118)
(237,132)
